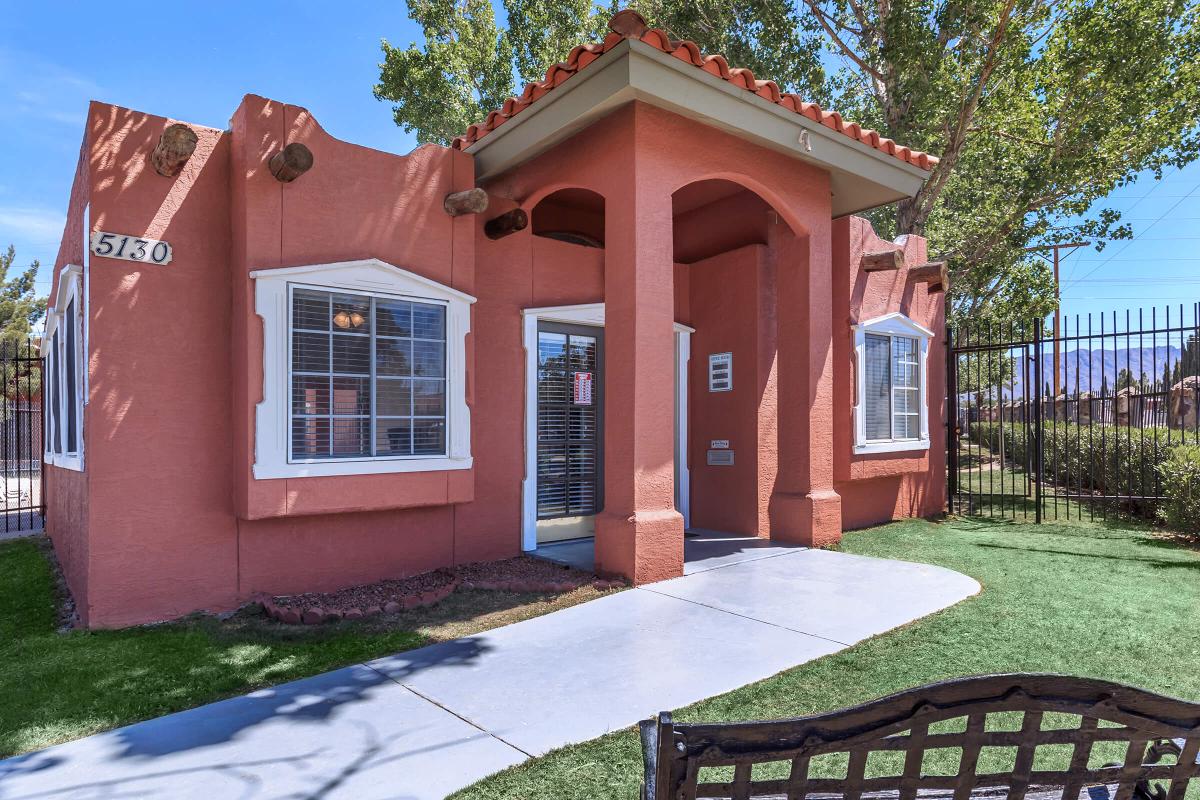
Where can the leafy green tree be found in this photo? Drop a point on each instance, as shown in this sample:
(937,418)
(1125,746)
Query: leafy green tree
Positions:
(1124,379)
(1036,110)
(469,65)
(20,310)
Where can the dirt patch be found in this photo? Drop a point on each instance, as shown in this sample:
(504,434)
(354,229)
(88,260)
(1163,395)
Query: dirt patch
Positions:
(522,570)
(519,574)
(370,595)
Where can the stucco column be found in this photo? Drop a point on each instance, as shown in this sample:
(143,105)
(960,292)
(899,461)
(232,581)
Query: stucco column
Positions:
(639,534)
(804,506)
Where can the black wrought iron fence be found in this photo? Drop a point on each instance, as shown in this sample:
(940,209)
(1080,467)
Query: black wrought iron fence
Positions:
(21,406)
(1044,426)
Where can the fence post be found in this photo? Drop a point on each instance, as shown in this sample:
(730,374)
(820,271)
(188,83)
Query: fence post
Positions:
(1037,420)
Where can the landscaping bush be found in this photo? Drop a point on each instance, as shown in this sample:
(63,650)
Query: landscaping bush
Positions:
(1106,459)
(1180,508)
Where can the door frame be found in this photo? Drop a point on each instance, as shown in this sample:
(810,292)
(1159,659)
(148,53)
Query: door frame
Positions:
(592,314)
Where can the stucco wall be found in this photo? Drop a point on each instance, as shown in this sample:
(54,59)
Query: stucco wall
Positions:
(65,490)
(161,532)
(731,299)
(879,487)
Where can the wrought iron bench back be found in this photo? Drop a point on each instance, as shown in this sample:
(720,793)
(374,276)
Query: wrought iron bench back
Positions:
(1015,736)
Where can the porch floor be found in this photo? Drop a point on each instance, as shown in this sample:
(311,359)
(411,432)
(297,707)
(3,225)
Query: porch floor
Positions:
(702,550)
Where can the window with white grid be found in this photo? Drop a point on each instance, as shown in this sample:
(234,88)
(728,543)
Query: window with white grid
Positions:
(368,376)
(891,413)
(364,372)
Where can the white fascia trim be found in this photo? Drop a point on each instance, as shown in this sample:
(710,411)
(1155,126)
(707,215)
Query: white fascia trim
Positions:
(271,456)
(583,314)
(893,324)
(899,446)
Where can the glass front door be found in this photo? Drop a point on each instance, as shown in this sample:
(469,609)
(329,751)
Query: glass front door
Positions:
(570,415)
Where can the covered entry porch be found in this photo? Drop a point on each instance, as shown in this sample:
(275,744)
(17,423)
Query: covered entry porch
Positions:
(707,205)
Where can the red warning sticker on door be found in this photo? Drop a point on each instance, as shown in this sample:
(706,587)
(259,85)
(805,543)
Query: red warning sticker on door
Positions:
(583,388)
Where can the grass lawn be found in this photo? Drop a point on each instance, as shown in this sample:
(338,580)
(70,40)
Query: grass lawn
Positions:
(1083,599)
(59,686)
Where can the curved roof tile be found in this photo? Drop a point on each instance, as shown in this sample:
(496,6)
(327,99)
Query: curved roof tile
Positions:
(628,24)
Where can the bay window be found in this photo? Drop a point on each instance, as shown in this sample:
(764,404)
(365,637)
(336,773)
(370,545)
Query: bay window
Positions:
(364,369)
(891,413)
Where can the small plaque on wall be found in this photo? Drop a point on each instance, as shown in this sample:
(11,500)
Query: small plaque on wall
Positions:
(720,372)
(130,248)
(720,458)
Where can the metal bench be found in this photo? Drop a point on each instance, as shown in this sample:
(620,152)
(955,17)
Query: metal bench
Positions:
(1057,735)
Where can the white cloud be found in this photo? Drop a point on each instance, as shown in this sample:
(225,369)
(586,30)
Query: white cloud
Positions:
(34,87)
(30,224)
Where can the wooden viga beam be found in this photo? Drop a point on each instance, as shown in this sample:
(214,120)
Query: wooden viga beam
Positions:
(935,274)
(470,201)
(879,260)
(291,162)
(174,148)
(507,223)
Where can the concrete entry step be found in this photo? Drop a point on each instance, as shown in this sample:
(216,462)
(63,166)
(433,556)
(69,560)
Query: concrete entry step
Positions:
(702,550)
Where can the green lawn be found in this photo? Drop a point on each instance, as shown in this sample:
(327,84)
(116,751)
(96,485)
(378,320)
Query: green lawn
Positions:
(1081,599)
(59,686)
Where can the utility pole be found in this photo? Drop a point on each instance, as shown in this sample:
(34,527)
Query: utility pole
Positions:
(1057,305)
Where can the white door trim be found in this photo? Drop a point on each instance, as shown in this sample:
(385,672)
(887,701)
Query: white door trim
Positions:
(588,314)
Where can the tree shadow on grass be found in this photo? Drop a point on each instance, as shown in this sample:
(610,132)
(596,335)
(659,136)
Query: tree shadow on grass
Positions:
(1155,563)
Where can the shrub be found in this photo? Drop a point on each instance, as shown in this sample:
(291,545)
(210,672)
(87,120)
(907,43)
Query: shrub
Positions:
(1106,459)
(1180,508)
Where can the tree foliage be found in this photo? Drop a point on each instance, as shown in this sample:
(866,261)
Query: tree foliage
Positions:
(20,308)
(1037,109)
(20,311)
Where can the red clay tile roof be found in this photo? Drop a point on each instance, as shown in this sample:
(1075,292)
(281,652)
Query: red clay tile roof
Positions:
(629,24)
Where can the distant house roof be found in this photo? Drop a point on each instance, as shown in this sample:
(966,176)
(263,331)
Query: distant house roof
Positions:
(629,24)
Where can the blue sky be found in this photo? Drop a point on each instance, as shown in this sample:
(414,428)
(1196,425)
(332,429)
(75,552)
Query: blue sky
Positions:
(324,56)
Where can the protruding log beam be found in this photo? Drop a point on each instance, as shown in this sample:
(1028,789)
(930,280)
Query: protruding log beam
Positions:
(471,201)
(174,148)
(506,223)
(882,260)
(291,162)
(935,273)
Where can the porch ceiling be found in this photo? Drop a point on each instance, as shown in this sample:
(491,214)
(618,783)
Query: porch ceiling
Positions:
(862,176)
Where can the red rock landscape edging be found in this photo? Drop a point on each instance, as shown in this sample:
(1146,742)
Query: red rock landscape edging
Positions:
(315,615)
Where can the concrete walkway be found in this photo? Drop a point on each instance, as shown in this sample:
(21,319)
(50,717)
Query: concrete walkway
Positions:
(424,723)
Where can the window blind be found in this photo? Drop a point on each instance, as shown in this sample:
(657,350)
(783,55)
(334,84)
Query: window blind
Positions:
(368,376)
(69,372)
(877,379)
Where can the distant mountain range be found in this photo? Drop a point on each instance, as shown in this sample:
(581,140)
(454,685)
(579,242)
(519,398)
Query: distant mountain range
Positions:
(1096,368)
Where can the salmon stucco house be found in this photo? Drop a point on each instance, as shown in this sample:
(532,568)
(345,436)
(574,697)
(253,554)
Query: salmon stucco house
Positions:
(632,302)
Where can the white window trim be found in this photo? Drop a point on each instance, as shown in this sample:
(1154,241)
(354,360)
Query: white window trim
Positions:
(70,289)
(369,276)
(894,324)
(593,314)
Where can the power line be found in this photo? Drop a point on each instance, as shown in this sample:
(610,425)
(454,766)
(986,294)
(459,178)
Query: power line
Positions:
(1160,218)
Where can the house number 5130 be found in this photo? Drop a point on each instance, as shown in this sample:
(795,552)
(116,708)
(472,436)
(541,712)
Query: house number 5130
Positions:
(130,248)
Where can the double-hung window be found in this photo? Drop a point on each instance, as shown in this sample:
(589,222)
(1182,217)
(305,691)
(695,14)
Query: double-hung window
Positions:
(364,372)
(892,410)
(368,376)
